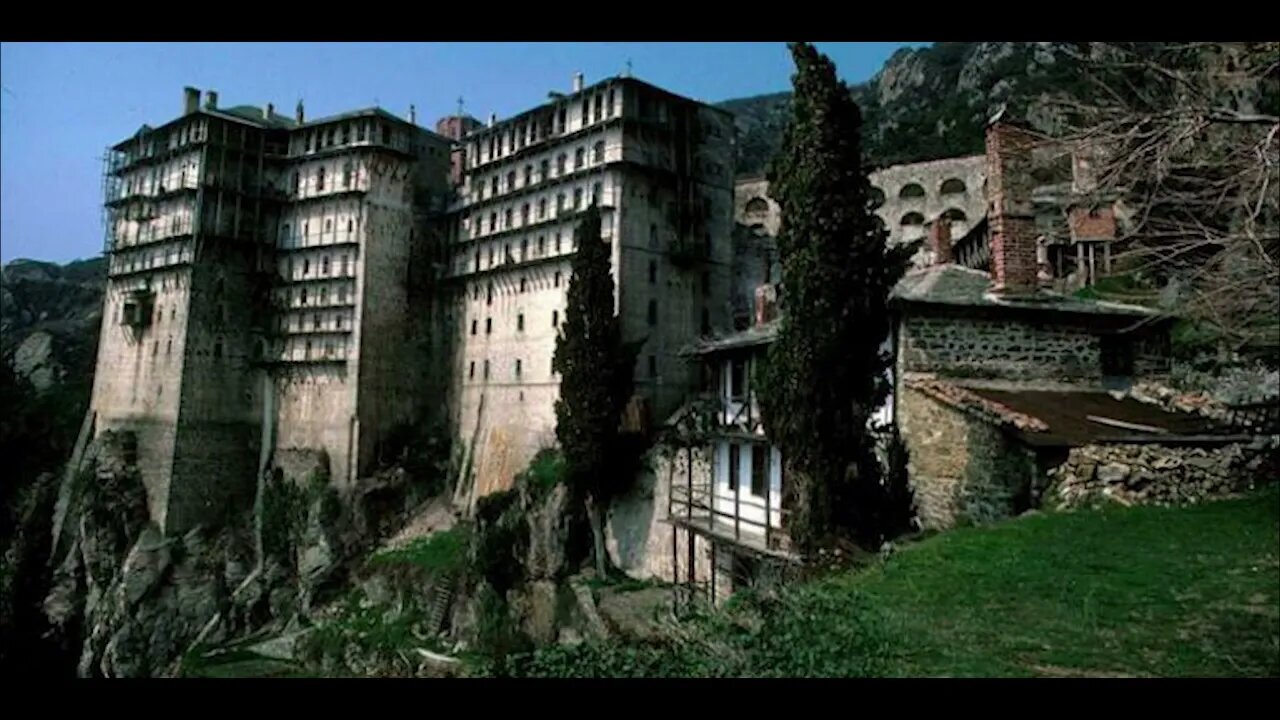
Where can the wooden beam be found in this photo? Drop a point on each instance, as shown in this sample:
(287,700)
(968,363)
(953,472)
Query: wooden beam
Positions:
(1127,425)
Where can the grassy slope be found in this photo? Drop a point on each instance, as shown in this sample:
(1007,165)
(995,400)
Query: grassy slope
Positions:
(1141,591)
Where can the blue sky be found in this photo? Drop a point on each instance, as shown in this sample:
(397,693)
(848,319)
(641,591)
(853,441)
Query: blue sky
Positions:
(61,104)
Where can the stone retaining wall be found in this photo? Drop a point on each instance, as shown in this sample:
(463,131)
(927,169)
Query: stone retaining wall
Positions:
(1157,474)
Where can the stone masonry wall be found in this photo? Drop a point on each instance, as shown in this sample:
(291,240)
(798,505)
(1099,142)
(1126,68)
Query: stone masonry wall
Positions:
(962,469)
(1156,474)
(1007,349)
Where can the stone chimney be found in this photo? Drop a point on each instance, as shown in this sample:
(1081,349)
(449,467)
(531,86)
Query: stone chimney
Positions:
(577,82)
(493,119)
(766,304)
(211,99)
(940,240)
(190,100)
(413,115)
(300,116)
(269,111)
(1009,210)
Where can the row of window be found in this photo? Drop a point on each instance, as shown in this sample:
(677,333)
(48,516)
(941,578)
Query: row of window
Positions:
(488,323)
(950,186)
(319,323)
(338,135)
(518,368)
(495,186)
(303,298)
(342,268)
(915,218)
(538,211)
(524,286)
(593,108)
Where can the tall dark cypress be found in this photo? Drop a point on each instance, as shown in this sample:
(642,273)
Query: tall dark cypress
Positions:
(826,374)
(596,378)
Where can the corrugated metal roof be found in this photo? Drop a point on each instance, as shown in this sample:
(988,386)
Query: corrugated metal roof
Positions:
(961,286)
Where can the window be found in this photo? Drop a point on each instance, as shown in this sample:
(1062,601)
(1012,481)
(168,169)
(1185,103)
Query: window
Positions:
(597,152)
(524,214)
(306,267)
(653,236)
(737,378)
(324,296)
(517,367)
(324,265)
(952,186)
(653,366)
(653,312)
(520,322)
(759,469)
(912,218)
(544,170)
(346,171)
(511,181)
(486,369)
(523,281)
(528,175)
(472,373)
(489,292)
(328,225)
(564,119)
(542,208)
(386,134)
(320,180)
(733,466)
(488,326)
(608,109)
(560,161)
(653,272)
(577,198)
(493,188)
(557,275)
(557,244)
(315,322)
(474,322)
(597,193)
(297,183)
(542,245)
(555,318)
(559,203)
(506,218)
(493,227)
(579,158)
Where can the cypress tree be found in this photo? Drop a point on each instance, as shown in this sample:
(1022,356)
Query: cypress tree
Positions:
(596,378)
(826,374)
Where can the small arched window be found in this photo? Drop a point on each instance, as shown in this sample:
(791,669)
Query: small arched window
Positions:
(877,197)
(912,218)
(597,152)
(952,186)
(757,206)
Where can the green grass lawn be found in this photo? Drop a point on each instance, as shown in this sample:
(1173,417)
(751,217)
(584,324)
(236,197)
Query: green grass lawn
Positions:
(1191,591)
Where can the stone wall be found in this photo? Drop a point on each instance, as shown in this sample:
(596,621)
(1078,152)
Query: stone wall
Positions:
(1158,474)
(993,348)
(963,469)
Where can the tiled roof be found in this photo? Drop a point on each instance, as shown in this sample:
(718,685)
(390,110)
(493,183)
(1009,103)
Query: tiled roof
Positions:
(1067,418)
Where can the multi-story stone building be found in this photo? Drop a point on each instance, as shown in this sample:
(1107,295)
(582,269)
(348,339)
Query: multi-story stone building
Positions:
(659,167)
(258,294)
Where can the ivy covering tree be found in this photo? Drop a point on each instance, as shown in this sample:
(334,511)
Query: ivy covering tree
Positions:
(595,379)
(825,375)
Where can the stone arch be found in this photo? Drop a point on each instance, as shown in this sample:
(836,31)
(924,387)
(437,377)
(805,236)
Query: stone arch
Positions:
(911,191)
(757,206)
(912,219)
(952,186)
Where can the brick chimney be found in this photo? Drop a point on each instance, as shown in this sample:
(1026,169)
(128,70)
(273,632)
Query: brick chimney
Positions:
(766,304)
(211,99)
(190,100)
(1009,210)
(577,82)
(940,241)
(299,114)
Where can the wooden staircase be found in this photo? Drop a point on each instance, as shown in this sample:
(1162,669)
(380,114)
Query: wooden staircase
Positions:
(441,601)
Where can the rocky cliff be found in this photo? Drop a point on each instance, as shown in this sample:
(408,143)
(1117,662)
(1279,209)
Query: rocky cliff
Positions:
(924,103)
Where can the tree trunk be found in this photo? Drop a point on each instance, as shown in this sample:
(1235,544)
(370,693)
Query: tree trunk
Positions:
(597,537)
